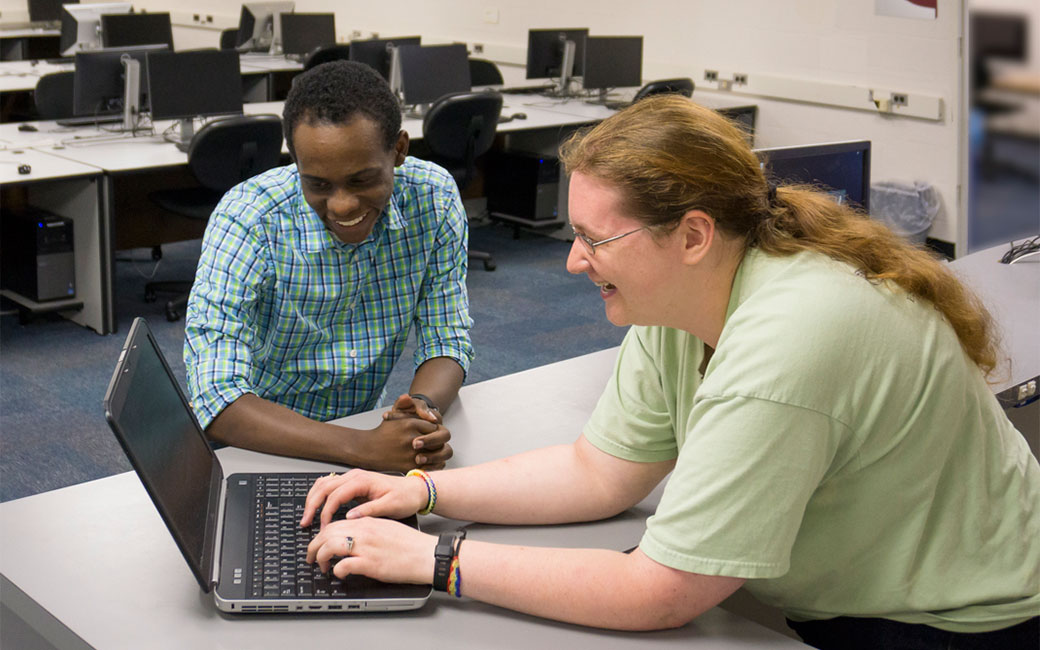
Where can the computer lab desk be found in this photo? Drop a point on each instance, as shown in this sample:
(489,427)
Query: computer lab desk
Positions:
(93,566)
(101,180)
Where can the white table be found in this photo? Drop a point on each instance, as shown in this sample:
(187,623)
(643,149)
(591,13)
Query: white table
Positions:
(1012,294)
(70,556)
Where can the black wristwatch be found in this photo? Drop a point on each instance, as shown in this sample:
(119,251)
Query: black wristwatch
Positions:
(442,556)
(429,402)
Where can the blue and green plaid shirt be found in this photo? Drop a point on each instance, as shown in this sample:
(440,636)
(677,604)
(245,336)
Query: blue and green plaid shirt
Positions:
(283,309)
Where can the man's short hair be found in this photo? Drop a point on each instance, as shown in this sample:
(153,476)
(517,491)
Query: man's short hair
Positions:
(335,93)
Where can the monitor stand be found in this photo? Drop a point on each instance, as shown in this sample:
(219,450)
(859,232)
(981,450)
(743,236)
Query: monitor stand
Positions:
(416,111)
(566,71)
(131,92)
(601,98)
(186,128)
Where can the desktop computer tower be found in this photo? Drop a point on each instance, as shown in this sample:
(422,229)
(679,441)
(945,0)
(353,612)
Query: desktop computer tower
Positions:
(38,260)
(523,185)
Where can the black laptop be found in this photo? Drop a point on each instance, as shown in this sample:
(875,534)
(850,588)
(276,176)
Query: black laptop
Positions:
(240,536)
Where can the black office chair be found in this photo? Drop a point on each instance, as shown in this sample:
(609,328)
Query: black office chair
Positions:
(53,95)
(484,73)
(222,154)
(682,86)
(228,39)
(326,53)
(457,129)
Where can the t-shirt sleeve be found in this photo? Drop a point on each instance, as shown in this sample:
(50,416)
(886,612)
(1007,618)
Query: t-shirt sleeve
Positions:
(633,419)
(735,500)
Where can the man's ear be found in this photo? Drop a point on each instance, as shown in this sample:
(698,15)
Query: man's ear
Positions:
(698,234)
(401,148)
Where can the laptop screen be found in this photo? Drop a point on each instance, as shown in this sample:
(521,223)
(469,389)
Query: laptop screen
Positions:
(158,432)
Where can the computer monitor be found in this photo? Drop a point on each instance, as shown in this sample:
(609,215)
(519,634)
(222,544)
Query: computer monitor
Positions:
(47,11)
(101,83)
(612,62)
(842,168)
(80,25)
(429,72)
(995,35)
(556,53)
(744,116)
(376,52)
(302,33)
(195,83)
(998,35)
(260,26)
(126,30)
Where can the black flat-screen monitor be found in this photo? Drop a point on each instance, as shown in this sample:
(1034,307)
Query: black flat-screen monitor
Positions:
(998,35)
(841,168)
(431,71)
(744,117)
(545,49)
(259,25)
(376,52)
(47,11)
(99,81)
(302,33)
(127,30)
(80,25)
(194,83)
(613,62)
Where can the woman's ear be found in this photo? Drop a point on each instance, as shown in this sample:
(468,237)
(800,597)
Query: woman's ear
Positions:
(697,229)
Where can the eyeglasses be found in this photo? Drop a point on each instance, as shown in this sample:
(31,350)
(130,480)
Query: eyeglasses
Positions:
(590,245)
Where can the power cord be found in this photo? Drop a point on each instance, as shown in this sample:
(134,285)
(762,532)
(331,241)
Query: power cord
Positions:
(1017,252)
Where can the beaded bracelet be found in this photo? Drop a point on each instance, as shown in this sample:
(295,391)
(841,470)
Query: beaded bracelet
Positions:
(431,490)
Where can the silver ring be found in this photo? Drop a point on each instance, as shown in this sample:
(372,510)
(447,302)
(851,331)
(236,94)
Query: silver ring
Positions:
(350,544)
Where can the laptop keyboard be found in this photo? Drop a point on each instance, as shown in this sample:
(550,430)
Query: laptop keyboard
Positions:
(280,568)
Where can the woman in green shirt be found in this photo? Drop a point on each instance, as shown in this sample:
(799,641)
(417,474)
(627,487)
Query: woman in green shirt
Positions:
(814,385)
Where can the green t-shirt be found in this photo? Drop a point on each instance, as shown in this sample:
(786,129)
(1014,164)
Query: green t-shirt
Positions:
(841,452)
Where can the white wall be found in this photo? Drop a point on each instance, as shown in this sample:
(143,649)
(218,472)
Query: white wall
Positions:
(835,44)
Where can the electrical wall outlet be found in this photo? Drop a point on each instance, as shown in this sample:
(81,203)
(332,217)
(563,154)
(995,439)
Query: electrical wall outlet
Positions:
(740,78)
(478,48)
(711,75)
(899,99)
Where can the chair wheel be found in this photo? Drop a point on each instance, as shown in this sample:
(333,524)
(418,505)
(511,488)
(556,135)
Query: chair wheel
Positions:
(172,314)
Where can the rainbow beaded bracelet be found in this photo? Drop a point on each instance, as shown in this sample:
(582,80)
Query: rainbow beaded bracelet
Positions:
(431,490)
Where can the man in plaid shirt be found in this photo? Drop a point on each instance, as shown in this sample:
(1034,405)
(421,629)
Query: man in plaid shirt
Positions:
(311,277)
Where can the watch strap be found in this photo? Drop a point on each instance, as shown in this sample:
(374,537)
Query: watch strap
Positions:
(442,556)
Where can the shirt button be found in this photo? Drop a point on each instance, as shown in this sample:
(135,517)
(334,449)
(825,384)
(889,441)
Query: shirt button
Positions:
(353,354)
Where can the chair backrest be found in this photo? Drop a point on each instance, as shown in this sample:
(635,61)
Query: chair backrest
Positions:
(682,86)
(326,53)
(484,73)
(226,152)
(459,127)
(228,38)
(53,95)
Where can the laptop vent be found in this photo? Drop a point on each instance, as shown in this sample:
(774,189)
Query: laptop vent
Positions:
(265,608)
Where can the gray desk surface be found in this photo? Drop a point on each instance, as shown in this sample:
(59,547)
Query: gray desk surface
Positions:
(43,166)
(1012,294)
(70,556)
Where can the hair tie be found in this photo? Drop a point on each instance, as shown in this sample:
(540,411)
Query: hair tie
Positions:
(772,193)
